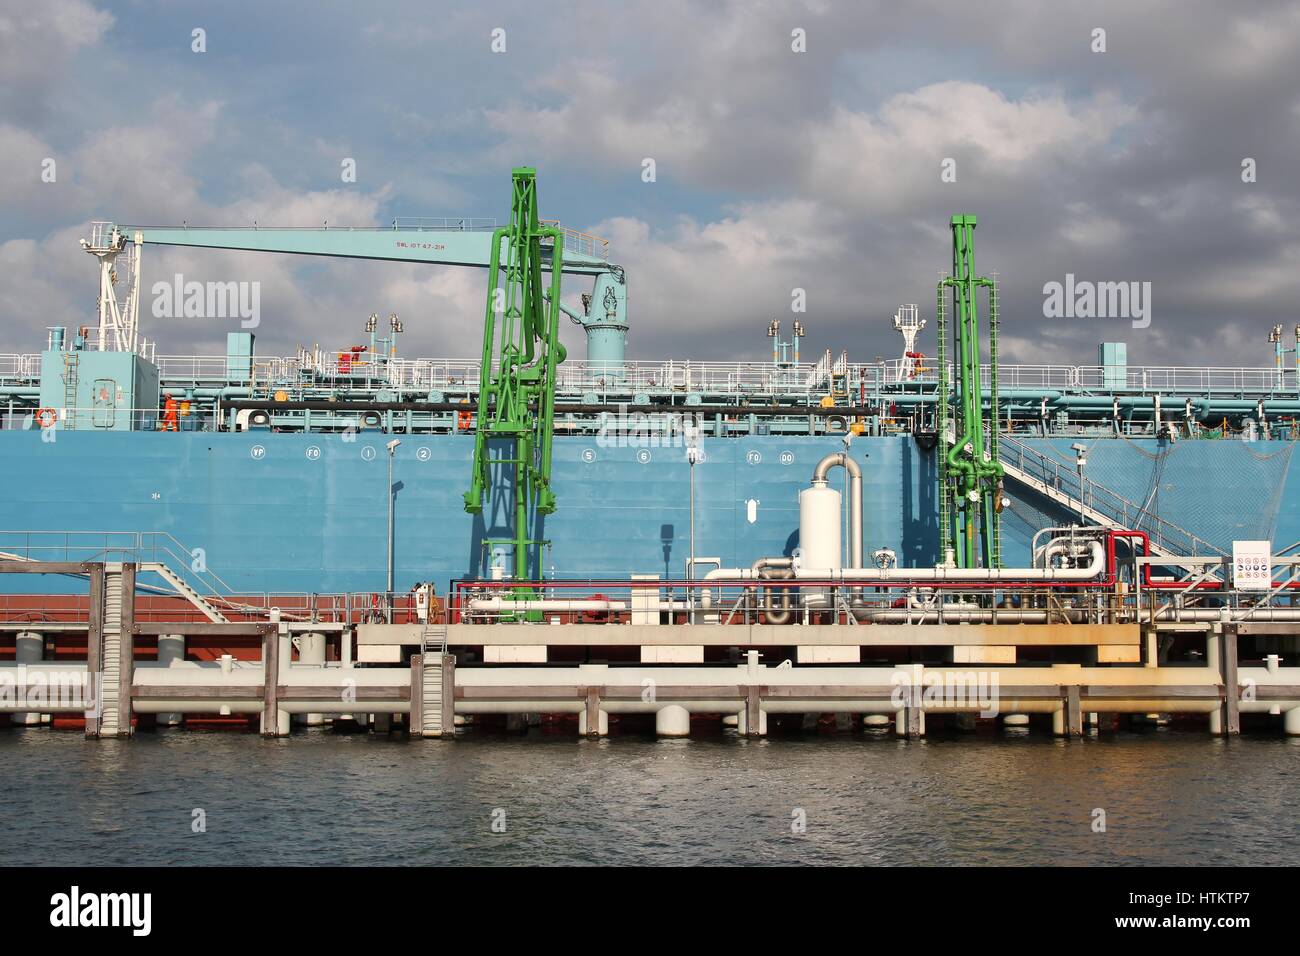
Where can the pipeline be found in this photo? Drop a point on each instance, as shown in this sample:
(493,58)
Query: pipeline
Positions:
(345,407)
(841,459)
(786,613)
(969,615)
(544,604)
(1095,566)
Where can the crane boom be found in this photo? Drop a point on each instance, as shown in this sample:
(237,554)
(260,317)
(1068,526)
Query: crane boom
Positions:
(446,245)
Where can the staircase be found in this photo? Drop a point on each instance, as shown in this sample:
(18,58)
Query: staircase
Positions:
(433,645)
(187,592)
(111,653)
(1095,502)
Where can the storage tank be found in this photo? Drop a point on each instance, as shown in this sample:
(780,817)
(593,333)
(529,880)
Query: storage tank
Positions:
(819,535)
(819,526)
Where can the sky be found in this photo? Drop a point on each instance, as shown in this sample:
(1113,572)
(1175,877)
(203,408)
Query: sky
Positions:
(813,146)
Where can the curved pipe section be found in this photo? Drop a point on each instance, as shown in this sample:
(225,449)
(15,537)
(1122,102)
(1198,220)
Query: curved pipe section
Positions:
(841,459)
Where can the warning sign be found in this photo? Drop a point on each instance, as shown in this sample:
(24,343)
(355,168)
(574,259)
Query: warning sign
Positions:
(1252,565)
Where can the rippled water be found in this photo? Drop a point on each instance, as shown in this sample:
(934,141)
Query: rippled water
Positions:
(1169,797)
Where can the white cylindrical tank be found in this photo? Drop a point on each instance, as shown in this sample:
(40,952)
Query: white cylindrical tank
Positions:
(820,518)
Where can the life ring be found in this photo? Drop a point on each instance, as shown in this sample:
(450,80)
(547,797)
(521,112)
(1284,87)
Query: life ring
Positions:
(465,420)
(47,417)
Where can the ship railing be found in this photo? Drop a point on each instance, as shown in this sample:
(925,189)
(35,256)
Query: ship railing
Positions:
(108,417)
(1063,477)
(268,374)
(1167,380)
(21,366)
(782,601)
(444,224)
(139,546)
(44,609)
(721,378)
(189,564)
(581,243)
(397,224)
(203,368)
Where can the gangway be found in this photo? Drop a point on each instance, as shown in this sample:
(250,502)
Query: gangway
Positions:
(1096,502)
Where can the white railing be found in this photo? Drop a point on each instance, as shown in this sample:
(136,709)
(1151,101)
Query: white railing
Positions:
(16,365)
(582,243)
(732,378)
(1132,378)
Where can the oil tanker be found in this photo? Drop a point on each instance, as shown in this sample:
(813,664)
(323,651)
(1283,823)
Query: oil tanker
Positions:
(349,534)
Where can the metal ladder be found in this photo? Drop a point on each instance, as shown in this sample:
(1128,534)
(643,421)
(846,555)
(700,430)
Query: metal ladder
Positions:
(70,366)
(433,645)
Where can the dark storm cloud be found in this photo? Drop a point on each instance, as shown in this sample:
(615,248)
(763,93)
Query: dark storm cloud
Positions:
(776,170)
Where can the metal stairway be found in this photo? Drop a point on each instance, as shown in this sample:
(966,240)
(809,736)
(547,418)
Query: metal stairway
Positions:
(1058,481)
(433,645)
(187,592)
(111,653)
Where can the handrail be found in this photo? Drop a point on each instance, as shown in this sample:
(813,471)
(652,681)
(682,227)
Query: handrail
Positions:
(1183,382)
(1098,497)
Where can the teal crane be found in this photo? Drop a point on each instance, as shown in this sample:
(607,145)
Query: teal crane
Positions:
(521,349)
(969,473)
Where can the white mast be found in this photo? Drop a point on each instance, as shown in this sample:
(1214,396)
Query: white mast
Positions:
(908,321)
(119,264)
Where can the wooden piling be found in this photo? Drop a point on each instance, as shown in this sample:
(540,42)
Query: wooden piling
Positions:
(415,716)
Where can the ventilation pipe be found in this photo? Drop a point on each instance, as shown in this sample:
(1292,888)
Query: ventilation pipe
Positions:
(839,459)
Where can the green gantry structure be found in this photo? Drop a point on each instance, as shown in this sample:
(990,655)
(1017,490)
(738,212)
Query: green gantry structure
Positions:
(521,349)
(969,474)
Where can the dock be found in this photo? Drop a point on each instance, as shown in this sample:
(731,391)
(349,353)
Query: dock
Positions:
(117,669)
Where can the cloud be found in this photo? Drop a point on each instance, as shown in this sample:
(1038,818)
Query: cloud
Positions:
(776,170)
(37,40)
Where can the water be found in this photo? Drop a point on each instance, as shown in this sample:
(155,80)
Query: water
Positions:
(320,798)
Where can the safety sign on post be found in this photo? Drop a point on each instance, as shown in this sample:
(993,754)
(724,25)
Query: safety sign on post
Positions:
(1252,565)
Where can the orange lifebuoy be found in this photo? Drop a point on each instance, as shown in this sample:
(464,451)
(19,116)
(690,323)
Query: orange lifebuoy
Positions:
(46,417)
(464,421)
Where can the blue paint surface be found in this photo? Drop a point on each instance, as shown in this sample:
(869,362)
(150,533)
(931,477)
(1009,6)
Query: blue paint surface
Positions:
(308,512)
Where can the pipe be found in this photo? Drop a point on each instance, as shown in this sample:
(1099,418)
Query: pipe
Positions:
(842,459)
(343,407)
(969,615)
(1095,566)
(546,604)
(781,571)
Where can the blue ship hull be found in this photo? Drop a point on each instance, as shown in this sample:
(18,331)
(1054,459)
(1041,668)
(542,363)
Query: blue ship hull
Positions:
(298,513)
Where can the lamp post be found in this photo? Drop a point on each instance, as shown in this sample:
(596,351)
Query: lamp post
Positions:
(692,458)
(392,449)
(1080,459)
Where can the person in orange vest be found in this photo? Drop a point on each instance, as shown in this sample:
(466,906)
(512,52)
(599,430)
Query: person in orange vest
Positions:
(171,421)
